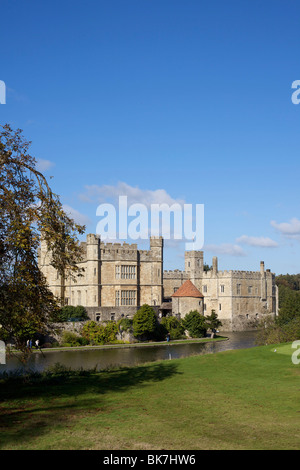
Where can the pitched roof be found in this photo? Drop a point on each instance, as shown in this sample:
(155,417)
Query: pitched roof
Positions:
(187,290)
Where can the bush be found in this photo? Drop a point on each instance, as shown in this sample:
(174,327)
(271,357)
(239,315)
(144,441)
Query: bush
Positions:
(271,332)
(100,334)
(71,313)
(144,323)
(125,324)
(46,345)
(195,324)
(173,326)
(72,339)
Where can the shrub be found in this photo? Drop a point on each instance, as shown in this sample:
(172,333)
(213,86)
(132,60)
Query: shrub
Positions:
(270,332)
(125,324)
(72,339)
(97,333)
(144,322)
(71,313)
(173,326)
(46,345)
(195,324)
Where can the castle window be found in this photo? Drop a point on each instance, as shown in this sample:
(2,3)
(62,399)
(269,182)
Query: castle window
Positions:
(247,316)
(238,289)
(98,316)
(205,289)
(189,264)
(249,289)
(66,301)
(128,272)
(128,297)
(204,307)
(175,289)
(117,272)
(222,288)
(256,290)
(112,317)
(117,298)
(220,307)
(79,297)
(95,271)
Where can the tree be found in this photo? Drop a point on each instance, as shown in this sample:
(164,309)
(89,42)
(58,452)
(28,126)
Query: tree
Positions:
(213,323)
(29,210)
(195,324)
(71,313)
(144,322)
(173,326)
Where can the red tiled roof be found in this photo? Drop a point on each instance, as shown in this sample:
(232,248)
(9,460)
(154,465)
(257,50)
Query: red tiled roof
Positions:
(187,290)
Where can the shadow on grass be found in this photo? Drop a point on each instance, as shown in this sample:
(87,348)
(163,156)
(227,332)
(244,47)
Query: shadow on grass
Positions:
(29,408)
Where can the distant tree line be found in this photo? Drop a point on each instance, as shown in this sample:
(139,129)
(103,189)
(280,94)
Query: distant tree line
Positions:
(286,326)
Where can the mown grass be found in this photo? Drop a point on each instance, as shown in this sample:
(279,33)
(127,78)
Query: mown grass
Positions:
(242,399)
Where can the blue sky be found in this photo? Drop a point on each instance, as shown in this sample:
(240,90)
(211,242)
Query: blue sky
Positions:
(184,100)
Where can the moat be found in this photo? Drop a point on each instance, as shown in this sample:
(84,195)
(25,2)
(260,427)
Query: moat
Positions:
(114,357)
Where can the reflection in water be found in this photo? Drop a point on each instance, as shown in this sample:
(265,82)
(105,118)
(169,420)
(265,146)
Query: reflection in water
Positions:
(103,359)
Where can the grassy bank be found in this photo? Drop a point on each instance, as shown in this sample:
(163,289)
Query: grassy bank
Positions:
(242,399)
(141,344)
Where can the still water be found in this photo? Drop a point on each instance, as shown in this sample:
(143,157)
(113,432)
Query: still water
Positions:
(105,358)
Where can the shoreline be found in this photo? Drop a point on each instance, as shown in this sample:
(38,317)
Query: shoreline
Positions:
(124,346)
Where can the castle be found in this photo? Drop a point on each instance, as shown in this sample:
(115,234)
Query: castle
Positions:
(118,278)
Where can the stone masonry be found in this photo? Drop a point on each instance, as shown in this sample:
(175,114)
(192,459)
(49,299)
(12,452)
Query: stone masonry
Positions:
(119,278)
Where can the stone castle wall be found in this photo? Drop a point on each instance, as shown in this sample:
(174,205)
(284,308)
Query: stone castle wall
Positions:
(238,297)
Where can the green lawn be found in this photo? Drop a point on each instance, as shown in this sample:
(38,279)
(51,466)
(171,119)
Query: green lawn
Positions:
(243,399)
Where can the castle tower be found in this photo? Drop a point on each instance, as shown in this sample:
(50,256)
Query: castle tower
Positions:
(157,269)
(92,270)
(194,264)
(263,281)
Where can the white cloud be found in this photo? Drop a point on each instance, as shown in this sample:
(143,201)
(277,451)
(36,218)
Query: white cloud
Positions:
(226,249)
(289,229)
(100,194)
(79,218)
(263,242)
(44,165)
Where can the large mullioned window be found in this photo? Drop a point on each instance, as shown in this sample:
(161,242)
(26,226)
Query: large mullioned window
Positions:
(125,297)
(125,272)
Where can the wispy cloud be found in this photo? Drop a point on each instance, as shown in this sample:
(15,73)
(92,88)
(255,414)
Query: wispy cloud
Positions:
(44,165)
(263,242)
(79,218)
(105,193)
(289,229)
(229,249)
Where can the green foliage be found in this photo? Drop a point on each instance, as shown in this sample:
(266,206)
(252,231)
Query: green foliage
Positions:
(212,321)
(195,324)
(29,212)
(292,281)
(125,324)
(173,326)
(144,322)
(72,339)
(97,333)
(271,332)
(289,304)
(70,313)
